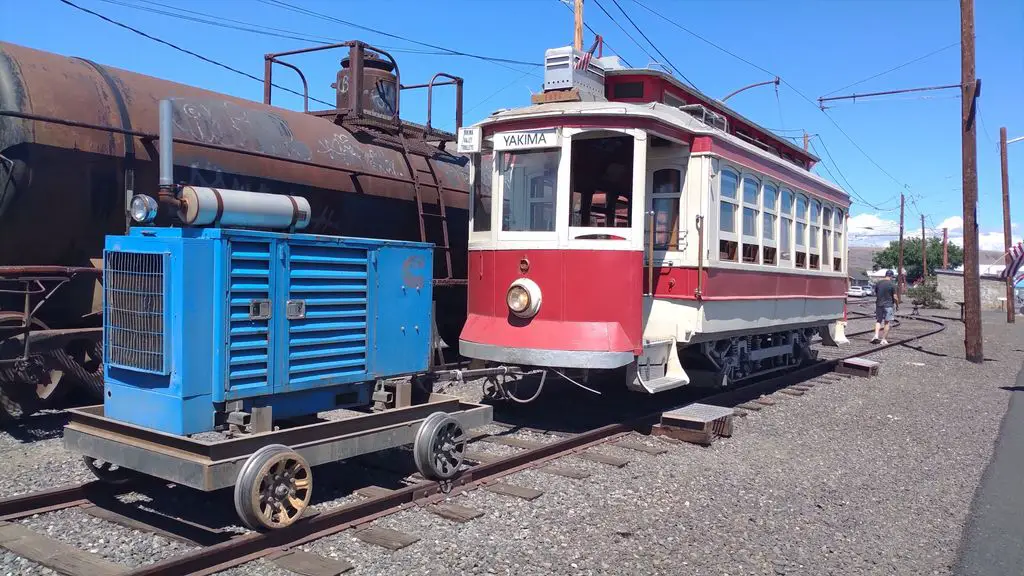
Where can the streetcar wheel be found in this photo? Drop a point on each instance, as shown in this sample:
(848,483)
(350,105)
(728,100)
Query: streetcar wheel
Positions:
(108,472)
(440,447)
(273,488)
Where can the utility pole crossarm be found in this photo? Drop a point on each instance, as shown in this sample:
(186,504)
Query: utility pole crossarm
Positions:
(823,99)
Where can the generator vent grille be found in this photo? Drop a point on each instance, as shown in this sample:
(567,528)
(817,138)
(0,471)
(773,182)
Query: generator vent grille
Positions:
(135,311)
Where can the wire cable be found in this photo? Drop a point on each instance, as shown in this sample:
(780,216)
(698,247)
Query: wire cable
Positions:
(624,31)
(189,52)
(307,12)
(905,64)
(594,32)
(667,61)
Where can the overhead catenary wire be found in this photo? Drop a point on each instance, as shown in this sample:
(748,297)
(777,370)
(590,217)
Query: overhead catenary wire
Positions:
(895,68)
(187,51)
(675,68)
(312,13)
(624,31)
(784,81)
(594,32)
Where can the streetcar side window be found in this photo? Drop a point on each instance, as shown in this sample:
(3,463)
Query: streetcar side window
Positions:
(837,259)
(751,205)
(482,169)
(786,227)
(528,181)
(728,205)
(801,231)
(668,186)
(826,236)
(769,249)
(815,234)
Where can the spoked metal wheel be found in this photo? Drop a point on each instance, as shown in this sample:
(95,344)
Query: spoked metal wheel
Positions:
(273,488)
(440,447)
(37,384)
(108,472)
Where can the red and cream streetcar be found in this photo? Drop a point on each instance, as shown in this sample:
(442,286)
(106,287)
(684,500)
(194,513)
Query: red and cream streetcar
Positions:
(625,221)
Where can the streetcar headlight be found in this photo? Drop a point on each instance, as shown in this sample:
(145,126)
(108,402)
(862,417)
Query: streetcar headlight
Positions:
(518,299)
(143,208)
(523,298)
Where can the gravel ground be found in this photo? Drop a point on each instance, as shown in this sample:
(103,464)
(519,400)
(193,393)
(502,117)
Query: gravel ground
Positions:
(869,476)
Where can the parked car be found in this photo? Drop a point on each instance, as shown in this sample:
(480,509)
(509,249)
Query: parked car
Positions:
(856,291)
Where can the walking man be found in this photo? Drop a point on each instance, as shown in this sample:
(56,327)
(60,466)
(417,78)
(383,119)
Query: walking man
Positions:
(885,299)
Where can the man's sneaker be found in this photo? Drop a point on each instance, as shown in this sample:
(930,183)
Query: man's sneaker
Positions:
(874,340)
(884,342)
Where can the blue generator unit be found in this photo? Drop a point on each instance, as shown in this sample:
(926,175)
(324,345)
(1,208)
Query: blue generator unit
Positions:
(201,323)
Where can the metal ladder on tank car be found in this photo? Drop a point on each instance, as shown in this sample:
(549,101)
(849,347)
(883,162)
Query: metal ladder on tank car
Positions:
(441,214)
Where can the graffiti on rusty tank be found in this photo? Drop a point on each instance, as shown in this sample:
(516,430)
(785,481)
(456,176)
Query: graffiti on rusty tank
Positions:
(342,147)
(227,124)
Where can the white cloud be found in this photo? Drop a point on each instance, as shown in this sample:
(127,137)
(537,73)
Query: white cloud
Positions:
(873,230)
(953,223)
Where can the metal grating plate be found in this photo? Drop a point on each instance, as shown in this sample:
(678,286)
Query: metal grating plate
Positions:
(135,307)
(699,413)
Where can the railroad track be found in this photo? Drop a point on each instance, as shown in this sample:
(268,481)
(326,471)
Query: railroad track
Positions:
(216,550)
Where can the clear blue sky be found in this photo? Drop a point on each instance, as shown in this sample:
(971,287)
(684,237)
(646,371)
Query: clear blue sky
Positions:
(817,47)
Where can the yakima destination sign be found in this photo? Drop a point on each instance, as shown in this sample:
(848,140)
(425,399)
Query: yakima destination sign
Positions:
(528,139)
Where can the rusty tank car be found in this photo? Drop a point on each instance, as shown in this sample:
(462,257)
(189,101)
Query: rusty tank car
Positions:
(78,139)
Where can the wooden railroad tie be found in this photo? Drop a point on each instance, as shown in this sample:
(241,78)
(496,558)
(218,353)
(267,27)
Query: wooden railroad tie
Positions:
(859,367)
(53,554)
(307,564)
(513,490)
(387,538)
(455,512)
(696,423)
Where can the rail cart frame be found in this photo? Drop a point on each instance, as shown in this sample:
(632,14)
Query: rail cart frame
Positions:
(209,466)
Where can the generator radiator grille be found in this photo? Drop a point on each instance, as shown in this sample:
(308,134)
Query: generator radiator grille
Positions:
(135,311)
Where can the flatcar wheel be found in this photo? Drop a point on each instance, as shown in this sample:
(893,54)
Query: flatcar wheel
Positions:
(108,472)
(273,488)
(440,447)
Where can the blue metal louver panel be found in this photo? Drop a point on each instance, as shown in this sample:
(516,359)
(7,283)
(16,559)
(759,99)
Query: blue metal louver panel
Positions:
(250,316)
(328,343)
(135,311)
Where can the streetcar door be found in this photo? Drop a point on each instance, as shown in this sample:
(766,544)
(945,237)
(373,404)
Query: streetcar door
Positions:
(665,209)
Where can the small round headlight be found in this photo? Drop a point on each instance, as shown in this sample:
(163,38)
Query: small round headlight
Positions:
(518,299)
(143,208)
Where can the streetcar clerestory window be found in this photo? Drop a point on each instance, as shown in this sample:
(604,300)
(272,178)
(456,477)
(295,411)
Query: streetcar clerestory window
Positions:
(528,181)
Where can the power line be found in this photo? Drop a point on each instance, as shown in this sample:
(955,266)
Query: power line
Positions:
(667,61)
(849,186)
(765,70)
(905,64)
(624,31)
(494,60)
(594,32)
(231,24)
(187,51)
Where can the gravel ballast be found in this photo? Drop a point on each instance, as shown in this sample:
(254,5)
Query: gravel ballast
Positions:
(867,476)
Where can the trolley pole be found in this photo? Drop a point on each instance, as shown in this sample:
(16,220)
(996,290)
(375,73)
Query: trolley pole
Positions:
(899,266)
(577,37)
(945,248)
(969,152)
(1007,233)
(806,139)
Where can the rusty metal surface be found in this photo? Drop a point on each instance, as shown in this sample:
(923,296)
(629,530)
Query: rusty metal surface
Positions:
(89,187)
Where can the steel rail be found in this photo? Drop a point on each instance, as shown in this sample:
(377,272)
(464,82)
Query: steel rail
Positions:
(252,546)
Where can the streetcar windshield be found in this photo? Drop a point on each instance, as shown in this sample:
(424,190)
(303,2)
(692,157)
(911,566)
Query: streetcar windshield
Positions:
(528,183)
(601,182)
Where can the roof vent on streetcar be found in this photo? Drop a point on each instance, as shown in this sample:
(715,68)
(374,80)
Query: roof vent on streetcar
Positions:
(566,69)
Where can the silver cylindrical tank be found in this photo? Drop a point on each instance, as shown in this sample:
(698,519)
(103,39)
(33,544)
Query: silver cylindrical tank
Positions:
(203,206)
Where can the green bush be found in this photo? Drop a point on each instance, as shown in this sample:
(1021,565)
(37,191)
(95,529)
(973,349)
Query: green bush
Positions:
(927,294)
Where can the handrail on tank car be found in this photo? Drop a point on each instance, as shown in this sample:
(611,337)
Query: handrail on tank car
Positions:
(356,51)
(457,81)
(270,61)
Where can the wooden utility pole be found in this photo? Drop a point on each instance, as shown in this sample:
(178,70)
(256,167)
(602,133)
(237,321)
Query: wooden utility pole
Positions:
(924,251)
(969,152)
(1007,234)
(577,38)
(945,248)
(806,140)
(899,266)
